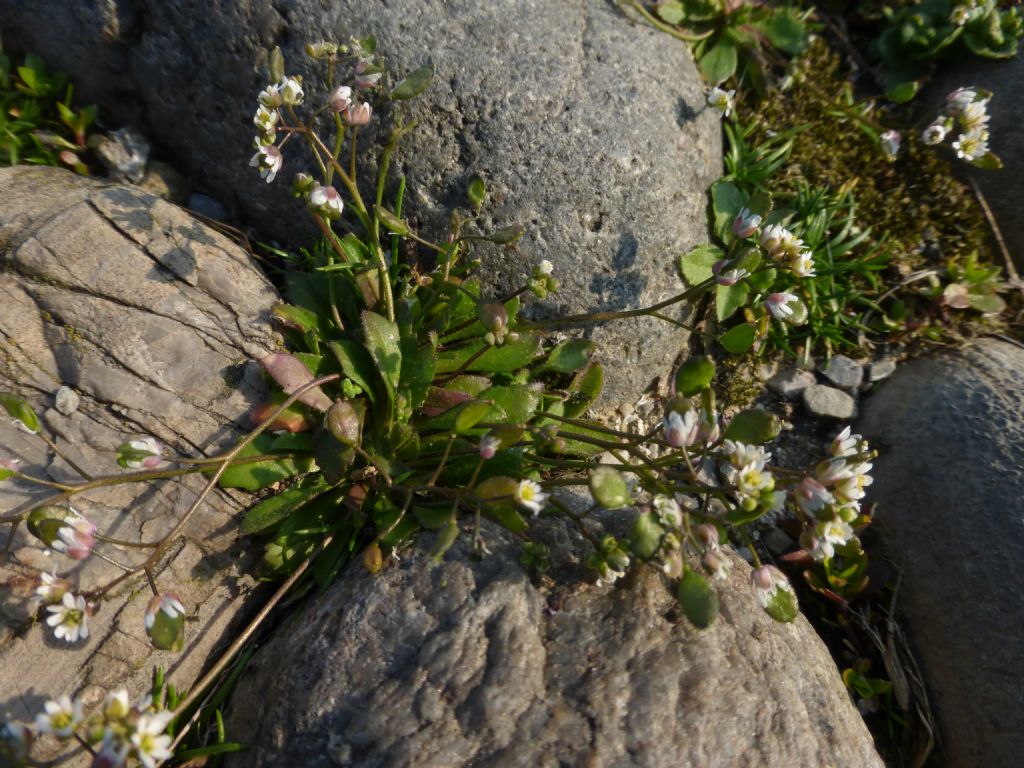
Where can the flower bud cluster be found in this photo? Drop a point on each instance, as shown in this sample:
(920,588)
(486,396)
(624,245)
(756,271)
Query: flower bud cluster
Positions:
(966,110)
(542,282)
(287,93)
(753,484)
(118,734)
(610,561)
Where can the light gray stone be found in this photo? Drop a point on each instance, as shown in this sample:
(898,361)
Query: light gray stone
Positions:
(948,485)
(843,372)
(791,383)
(124,152)
(66,400)
(881,370)
(829,403)
(468,663)
(154,320)
(589,131)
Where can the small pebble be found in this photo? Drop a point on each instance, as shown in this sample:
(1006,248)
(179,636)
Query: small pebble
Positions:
(66,400)
(124,152)
(164,181)
(777,541)
(207,206)
(789,384)
(829,403)
(881,369)
(844,372)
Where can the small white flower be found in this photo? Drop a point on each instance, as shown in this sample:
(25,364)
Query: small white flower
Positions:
(811,496)
(530,496)
(960,16)
(744,455)
(150,744)
(972,145)
(60,717)
(291,91)
(717,563)
(958,100)
(265,119)
(326,201)
(974,116)
(75,538)
(358,114)
(936,132)
(609,575)
(269,160)
(746,223)
(778,305)
(668,510)
(956,295)
(546,267)
(832,470)
(340,98)
(729,276)
(890,141)
(849,490)
(681,430)
(752,480)
(69,618)
(845,444)
(270,97)
(835,532)
(802,264)
(721,101)
(766,581)
(51,589)
(780,243)
(116,706)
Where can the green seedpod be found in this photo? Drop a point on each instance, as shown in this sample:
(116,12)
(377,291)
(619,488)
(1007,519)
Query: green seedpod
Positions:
(471,414)
(344,420)
(477,192)
(753,427)
(698,599)
(647,536)
(446,537)
(373,558)
(19,410)
(609,488)
(276,65)
(165,622)
(695,375)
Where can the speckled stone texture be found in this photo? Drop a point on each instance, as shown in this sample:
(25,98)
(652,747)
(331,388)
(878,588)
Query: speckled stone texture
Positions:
(153,320)
(468,663)
(948,484)
(589,130)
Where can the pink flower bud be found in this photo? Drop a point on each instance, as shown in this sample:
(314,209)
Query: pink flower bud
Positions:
(746,223)
(708,535)
(340,98)
(489,445)
(358,114)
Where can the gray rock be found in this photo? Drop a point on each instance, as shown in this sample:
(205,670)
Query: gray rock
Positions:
(791,383)
(468,663)
(843,372)
(829,403)
(66,400)
(207,206)
(604,154)
(164,181)
(948,483)
(124,152)
(881,370)
(154,320)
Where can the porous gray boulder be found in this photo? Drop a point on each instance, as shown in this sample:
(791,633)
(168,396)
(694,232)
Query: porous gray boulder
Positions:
(152,321)
(589,130)
(468,662)
(948,485)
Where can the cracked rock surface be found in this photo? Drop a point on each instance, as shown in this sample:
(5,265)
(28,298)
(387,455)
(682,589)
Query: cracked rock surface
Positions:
(468,663)
(589,130)
(153,321)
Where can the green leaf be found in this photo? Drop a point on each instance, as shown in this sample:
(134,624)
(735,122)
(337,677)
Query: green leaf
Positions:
(609,488)
(671,12)
(383,341)
(569,356)
(729,298)
(753,427)
(584,389)
(19,410)
(986,303)
(417,371)
(719,63)
(726,200)
(504,359)
(695,375)
(903,92)
(297,318)
(786,31)
(390,220)
(476,192)
(470,414)
(357,364)
(988,162)
(647,534)
(432,517)
(696,265)
(414,83)
(739,339)
(447,536)
(276,508)
(698,599)
(763,280)
(259,475)
(512,404)
(782,606)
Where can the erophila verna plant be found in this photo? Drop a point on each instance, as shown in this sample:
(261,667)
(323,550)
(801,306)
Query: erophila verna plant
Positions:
(409,398)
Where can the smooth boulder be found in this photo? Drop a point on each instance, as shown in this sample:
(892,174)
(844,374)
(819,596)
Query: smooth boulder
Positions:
(948,484)
(470,662)
(589,130)
(148,323)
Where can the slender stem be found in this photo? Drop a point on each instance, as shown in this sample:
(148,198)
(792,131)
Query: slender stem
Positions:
(443,461)
(152,581)
(53,447)
(666,28)
(239,643)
